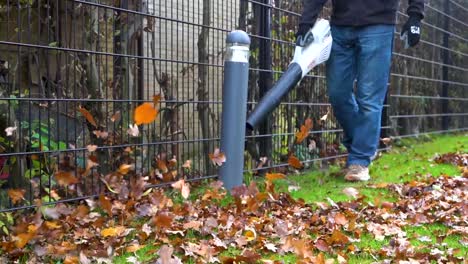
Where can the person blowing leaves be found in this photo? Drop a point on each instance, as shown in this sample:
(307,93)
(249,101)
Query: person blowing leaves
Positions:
(362,32)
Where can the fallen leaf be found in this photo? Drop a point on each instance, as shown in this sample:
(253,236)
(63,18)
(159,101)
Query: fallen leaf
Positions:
(65,178)
(294,162)
(9,130)
(101,134)
(183,187)
(91,148)
(133,248)
(312,145)
(218,158)
(115,117)
(250,234)
(274,176)
(156,99)
(324,117)
(16,195)
(322,245)
(125,168)
(187,164)
(304,131)
(386,141)
(113,231)
(105,204)
(87,115)
(145,114)
(340,219)
(133,130)
(71,260)
(351,192)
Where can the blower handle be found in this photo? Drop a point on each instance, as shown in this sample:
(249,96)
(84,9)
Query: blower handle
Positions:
(305,40)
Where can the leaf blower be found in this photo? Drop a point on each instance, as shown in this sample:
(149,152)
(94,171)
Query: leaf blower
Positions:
(311,50)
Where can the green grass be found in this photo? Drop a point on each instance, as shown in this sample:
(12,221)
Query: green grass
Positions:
(409,161)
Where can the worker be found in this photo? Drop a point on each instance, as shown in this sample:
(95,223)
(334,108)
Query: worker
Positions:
(358,69)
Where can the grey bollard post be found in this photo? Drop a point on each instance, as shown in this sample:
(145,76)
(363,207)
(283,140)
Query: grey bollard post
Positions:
(236,77)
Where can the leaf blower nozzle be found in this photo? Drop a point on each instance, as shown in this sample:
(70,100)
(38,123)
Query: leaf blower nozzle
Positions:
(311,50)
(273,97)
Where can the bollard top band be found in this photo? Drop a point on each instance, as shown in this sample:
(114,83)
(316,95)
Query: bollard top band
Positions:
(238,37)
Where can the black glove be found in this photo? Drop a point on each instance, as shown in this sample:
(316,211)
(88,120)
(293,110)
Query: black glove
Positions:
(412,29)
(301,33)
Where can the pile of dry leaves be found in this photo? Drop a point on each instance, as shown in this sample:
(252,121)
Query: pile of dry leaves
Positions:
(258,222)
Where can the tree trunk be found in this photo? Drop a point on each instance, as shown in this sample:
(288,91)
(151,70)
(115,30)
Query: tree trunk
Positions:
(202,91)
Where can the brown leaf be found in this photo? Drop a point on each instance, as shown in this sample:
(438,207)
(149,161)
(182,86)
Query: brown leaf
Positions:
(218,158)
(156,99)
(106,205)
(322,245)
(115,117)
(101,134)
(294,162)
(145,114)
(16,195)
(304,131)
(65,178)
(88,116)
(183,186)
(163,220)
(187,164)
(340,219)
(91,148)
(133,248)
(162,166)
(274,176)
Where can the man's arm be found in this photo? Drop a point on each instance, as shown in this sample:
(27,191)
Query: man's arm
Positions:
(416,7)
(310,12)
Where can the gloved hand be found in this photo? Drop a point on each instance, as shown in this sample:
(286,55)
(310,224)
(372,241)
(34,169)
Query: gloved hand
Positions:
(301,34)
(411,31)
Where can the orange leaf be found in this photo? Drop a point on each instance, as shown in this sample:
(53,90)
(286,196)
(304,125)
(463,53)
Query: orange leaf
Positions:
(112,231)
(294,162)
(133,248)
(163,220)
(145,114)
(71,260)
(218,158)
(304,132)
(162,166)
(65,178)
(105,204)
(156,99)
(275,176)
(22,239)
(125,168)
(16,195)
(87,115)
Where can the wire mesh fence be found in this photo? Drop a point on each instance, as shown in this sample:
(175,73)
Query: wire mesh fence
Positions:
(72,73)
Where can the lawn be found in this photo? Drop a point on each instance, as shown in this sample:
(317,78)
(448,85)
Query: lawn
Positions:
(413,209)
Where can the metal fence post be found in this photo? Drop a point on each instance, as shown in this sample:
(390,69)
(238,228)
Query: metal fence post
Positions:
(236,76)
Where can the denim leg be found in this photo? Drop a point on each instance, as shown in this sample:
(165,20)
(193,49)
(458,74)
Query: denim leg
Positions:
(374,51)
(341,73)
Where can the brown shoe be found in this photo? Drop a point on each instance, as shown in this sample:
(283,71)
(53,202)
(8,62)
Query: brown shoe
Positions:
(357,173)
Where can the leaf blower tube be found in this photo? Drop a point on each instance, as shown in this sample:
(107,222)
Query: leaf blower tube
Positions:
(311,50)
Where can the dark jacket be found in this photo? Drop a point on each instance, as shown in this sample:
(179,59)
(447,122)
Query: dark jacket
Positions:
(359,12)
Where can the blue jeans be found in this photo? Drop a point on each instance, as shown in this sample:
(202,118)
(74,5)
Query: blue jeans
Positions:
(361,55)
